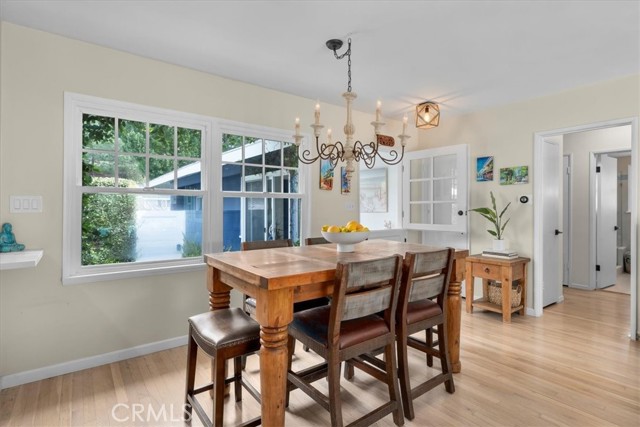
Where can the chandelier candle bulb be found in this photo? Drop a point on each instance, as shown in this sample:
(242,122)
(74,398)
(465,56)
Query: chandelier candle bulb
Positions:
(378,106)
(297,126)
(329,137)
(317,113)
(405,119)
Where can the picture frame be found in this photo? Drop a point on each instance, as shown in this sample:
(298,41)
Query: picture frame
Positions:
(373,190)
(345,183)
(484,169)
(326,175)
(515,175)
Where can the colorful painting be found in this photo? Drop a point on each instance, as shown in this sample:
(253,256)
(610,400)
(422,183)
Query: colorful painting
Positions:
(373,190)
(484,169)
(326,175)
(514,175)
(345,183)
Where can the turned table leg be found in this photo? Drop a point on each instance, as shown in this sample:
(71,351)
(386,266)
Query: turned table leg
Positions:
(274,312)
(219,298)
(453,314)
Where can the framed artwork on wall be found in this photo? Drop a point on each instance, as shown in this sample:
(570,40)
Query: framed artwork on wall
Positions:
(345,184)
(514,175)
(326,175)
(373,190)
(484,169)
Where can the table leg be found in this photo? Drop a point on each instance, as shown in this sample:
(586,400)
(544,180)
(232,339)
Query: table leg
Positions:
(507,276)
(453,314)
(219,298)
(274,312)
(469,288)
(524,289)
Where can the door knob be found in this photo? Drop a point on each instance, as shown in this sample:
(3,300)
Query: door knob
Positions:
(616,228)
(460,213)
(558,232)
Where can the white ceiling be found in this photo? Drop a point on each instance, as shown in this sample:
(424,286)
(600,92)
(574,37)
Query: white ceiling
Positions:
(465,55)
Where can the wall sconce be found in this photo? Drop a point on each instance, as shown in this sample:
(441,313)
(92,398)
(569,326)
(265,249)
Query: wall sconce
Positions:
(427,115)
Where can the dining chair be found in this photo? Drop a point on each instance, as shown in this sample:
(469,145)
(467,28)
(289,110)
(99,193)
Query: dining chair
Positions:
(421,307)
(315,241)
(360,319)
(222,334)
(249,303)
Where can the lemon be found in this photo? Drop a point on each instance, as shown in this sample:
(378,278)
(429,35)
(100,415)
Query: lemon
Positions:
(333,229)
(325,227)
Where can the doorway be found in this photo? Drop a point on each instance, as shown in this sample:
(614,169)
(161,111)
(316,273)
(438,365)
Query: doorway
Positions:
(541,188)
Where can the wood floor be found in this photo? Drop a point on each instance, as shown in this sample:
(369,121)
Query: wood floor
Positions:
(575,366)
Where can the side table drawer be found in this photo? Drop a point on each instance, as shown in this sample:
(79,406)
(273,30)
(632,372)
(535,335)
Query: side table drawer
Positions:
(486,271)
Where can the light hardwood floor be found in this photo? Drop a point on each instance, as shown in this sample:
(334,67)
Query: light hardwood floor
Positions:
(574,366)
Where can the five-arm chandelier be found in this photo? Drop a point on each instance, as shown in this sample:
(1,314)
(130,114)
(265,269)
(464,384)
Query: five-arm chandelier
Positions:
(350,150)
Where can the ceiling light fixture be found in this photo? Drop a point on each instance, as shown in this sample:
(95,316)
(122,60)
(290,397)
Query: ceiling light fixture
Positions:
(427,115)
(350,150)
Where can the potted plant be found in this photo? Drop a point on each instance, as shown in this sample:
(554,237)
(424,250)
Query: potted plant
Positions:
(491,214)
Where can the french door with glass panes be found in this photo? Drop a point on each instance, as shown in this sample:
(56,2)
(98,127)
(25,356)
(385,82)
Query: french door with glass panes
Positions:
(435,189)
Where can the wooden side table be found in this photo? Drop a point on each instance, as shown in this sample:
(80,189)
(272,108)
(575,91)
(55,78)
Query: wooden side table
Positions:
(505,271)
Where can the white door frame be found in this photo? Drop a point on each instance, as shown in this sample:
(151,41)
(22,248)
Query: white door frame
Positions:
(567,206)
(538,140)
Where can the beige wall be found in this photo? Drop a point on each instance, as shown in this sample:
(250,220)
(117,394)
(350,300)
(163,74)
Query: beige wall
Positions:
(581,144)
(44,323)
(507,133)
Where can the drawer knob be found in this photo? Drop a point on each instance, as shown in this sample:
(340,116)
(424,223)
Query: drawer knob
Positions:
(486,269)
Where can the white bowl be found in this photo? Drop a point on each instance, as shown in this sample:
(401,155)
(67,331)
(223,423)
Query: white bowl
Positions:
(346,241)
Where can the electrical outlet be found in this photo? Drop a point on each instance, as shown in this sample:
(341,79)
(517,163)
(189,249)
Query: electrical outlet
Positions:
(25,204)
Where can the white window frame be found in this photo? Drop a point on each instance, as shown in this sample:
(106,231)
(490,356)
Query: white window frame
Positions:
(244,129)
(75,105)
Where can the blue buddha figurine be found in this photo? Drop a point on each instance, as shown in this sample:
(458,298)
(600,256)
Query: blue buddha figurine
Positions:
(8,240)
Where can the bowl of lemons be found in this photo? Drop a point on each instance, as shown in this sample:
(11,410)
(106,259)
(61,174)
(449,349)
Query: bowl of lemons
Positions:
(346,236)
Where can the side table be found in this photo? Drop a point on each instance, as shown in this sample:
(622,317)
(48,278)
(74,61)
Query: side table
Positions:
(505,271)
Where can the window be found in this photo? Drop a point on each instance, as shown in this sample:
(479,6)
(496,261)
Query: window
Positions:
(136,191)
(261,187)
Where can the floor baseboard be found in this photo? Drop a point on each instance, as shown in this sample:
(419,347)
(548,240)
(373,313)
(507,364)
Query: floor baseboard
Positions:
(20,378)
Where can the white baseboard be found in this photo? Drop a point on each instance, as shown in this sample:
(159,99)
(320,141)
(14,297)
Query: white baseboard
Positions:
(580,286)
(20,378)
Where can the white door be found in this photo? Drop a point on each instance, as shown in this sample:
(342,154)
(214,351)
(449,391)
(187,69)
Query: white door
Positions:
(435,189)
(552,235)
(606,221)
(566,217)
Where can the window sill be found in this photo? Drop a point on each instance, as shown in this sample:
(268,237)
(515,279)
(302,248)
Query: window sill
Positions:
(91,277)
(23,259)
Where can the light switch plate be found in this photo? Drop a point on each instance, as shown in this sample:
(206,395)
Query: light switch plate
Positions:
(25,204)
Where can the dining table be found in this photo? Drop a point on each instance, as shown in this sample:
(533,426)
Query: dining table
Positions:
(278,277)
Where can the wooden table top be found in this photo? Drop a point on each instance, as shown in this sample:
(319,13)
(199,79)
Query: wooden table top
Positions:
(298,265)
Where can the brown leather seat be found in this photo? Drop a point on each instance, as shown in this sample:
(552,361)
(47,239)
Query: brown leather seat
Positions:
(222,334)
(315,241)
(349,328)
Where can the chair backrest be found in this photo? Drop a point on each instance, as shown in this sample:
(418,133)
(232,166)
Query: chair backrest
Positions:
(425,275)
(363,288)
(266,244)
(315,241)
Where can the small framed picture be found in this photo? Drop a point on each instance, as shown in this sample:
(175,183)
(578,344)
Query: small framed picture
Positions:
(345,183)
(484,169)
(326,175)
(514,175)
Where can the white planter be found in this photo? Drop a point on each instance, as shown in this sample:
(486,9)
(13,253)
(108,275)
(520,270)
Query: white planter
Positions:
(499,245)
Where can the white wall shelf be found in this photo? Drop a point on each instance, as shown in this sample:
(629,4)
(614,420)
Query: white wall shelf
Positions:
(23,259)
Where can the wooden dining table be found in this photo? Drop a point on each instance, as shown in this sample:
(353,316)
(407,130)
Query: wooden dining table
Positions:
(278,277)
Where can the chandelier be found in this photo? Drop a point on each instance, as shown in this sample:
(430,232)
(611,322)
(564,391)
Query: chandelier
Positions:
(351,150)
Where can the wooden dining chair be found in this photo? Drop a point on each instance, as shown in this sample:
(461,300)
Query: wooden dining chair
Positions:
(360,319)
(249,303)
(315,241)
(421,307)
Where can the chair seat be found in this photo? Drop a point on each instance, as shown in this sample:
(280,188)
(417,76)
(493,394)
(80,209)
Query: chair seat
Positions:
(314,324)
(224,328)
(421,310)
